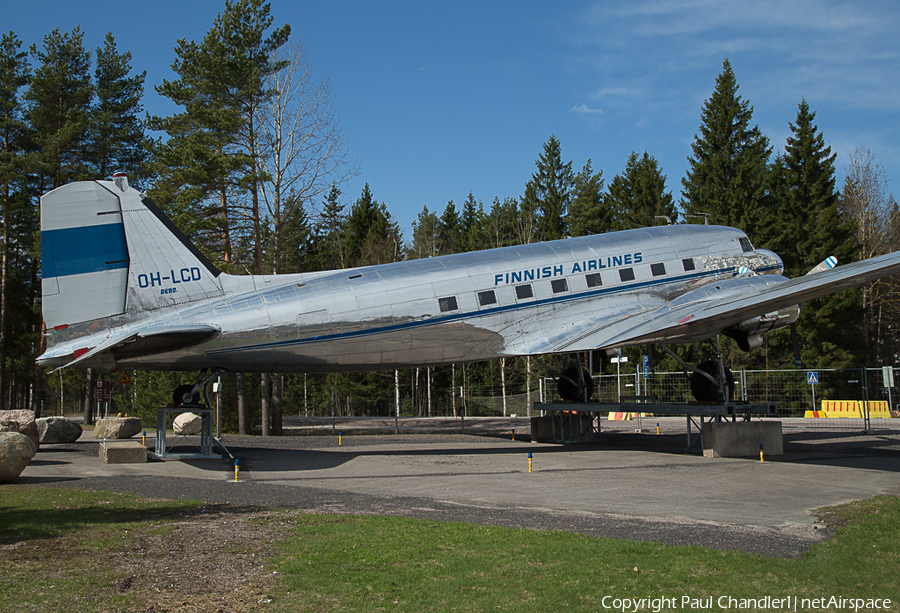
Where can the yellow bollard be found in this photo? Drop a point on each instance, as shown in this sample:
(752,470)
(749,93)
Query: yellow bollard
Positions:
(144,439)
(529,461)
(514,434)
(237,468)
(657,427)
(761,453)
(340,434)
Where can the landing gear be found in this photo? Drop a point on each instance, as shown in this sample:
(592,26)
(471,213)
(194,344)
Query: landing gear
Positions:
(711,380)
(707,387)
(185,396)
(189,395)
(575,384)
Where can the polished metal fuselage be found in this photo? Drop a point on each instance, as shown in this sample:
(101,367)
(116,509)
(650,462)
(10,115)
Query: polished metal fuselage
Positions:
(532,299)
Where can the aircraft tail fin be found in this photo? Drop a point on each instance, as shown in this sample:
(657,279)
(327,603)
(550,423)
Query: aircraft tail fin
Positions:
(107,250)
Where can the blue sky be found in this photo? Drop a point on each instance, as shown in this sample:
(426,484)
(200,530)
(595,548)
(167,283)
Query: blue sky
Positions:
(440,99)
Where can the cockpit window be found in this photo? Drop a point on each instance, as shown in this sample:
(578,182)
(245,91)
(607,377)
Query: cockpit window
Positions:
(745,244)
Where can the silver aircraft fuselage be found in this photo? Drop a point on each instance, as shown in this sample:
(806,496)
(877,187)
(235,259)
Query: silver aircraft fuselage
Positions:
(664,284)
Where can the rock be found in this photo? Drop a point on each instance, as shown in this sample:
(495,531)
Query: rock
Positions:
(16,450)
(117,427)
(57,430)
(187,423)
(22,422)
(123,452)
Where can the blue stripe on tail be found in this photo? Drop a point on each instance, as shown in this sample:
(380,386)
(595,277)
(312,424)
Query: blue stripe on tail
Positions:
(75,251)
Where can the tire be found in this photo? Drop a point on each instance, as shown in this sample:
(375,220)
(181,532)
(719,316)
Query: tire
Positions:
(183,391)
(568,384)
(704,390)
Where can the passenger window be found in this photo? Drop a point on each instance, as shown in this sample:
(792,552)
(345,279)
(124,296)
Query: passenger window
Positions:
(626,274)
(486,298)
(448,304)
(688,264)
(593,279)
(524,291)
(559,286)
(658,269)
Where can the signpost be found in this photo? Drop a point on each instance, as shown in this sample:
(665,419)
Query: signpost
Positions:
(125,381)
(102,395)
(812,378)
(618,361)
(888,372)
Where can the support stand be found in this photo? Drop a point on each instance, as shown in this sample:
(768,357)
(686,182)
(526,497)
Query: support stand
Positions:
(204,447)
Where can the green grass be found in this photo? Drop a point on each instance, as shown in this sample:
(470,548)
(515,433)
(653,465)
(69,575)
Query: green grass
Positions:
(72,537)
(387,564)
(351,563)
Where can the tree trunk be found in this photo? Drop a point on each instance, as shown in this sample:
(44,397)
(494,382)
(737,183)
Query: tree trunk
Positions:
(265,399)
(243,418)
(89,398)
(277,404)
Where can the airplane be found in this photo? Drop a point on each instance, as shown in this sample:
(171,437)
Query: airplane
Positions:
(123,288)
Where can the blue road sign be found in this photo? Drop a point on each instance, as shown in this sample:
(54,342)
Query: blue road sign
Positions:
(812,378)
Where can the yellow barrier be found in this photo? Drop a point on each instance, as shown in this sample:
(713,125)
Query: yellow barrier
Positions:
(851,408)
(626,416)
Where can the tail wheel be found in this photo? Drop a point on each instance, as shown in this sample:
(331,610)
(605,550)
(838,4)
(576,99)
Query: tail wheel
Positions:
(183,397)
(705,390)
(573,384)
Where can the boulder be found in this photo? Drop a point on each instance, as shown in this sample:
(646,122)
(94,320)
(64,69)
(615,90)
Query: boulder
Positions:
(117,427)
(16,450)
(187,424)
(22,422)
(57,430)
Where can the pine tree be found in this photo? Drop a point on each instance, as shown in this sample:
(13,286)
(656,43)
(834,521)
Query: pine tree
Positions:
(196,165)
(549,191)
(19,221)
(500,222)
(727,173)
(242,54)
(830,328)
(210,161)
(373,237)
(472,225)
(116,131)
(638,196)
(59,99)
(588,212)
(424,235)
(450,230)
(330,248)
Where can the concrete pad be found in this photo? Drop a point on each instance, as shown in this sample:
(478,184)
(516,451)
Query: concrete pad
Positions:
(123,452)
(742,439)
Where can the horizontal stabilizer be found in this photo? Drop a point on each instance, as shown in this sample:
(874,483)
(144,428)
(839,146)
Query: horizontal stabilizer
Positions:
(147,341)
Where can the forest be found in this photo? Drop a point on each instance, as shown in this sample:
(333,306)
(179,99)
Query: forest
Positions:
(252,168)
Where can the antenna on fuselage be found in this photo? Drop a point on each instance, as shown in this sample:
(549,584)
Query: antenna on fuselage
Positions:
(705,217)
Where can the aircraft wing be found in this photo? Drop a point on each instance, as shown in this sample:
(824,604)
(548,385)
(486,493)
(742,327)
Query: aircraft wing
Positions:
(146,341)
(711,309)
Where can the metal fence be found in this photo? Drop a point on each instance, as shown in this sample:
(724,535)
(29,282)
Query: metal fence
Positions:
(794,391)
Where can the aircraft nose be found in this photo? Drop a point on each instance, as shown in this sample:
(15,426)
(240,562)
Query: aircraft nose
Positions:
(773,263)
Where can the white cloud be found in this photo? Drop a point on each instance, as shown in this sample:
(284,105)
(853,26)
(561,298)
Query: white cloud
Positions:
(581,107)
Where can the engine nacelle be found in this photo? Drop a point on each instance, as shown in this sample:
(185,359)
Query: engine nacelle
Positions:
(749,333)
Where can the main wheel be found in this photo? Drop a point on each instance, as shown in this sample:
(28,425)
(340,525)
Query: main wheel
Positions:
(183,398)
(572,385)
(704,390)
